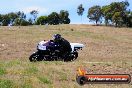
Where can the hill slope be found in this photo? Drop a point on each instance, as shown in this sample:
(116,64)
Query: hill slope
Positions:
(107,50)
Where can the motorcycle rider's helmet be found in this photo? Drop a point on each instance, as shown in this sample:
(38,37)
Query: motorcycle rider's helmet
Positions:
(57,37)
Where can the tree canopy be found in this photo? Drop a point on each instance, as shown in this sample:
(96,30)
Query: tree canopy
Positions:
(42,20)
(95,14)
(64,17)
(34,13)
(116,13)
(80,10)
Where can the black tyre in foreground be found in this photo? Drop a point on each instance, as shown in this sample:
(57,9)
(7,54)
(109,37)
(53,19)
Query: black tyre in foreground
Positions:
(81,80)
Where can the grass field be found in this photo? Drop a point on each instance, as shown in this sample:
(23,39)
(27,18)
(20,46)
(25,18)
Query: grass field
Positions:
(107,50)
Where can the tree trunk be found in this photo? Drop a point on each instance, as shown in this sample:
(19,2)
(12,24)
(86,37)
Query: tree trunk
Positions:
(96,22)
(81,19)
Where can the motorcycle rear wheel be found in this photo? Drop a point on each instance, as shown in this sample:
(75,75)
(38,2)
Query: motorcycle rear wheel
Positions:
(72,57)
(75,55)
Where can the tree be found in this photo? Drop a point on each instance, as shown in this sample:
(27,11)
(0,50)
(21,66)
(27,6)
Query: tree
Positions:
(30,21)
(117,19)
(116,12)
(21,22)
(34,13)
(129,23)
(24,22)
(21,19)
(17,22)
(107,14)
(95,14)
(12,17)
(80,10)
(0,19)
(64,19)
(53,18)
(42,20)
(128,20)
(21,15)
(5,20)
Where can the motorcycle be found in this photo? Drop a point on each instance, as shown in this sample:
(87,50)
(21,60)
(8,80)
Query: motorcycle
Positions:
(49,51)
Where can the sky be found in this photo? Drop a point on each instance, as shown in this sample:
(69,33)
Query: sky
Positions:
(45,7)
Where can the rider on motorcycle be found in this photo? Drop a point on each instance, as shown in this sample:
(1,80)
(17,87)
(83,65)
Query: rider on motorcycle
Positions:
(64,45)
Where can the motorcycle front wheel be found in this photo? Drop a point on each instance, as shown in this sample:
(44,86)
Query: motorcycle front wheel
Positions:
(34,57)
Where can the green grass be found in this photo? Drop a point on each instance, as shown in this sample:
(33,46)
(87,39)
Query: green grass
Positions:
(63,77)
(25,85)
(2,71)
(6,84)
(31,70)
(13,63)
(45,80)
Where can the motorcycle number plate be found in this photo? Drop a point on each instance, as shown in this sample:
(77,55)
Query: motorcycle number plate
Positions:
(44,47)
